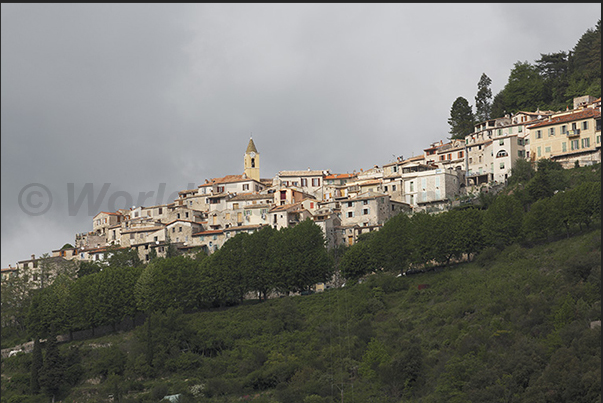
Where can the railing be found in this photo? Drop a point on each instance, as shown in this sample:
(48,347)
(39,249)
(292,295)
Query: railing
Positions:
(573,133)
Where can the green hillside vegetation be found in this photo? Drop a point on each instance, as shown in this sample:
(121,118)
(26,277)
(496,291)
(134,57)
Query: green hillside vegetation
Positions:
(500,309)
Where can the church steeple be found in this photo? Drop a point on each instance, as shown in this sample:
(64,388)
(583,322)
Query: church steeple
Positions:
(252,161)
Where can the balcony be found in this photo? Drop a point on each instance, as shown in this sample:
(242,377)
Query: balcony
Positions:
(573,133)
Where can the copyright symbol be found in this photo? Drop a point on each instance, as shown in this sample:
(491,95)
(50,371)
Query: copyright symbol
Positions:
(35,199)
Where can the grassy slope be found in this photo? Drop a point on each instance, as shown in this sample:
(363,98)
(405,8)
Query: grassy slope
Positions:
(493,329)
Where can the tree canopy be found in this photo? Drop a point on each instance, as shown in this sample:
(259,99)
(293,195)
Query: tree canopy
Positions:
(461,119)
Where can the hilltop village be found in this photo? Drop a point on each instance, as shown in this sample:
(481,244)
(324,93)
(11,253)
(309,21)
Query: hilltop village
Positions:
(344,206)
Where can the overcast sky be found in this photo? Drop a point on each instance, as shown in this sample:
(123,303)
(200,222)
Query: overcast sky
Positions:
(140,95)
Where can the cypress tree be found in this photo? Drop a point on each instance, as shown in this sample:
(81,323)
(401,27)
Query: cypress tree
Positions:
(36,365)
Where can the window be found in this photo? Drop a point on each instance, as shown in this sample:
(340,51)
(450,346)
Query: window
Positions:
(186,215)
(246,186)
(365,202)
(547,150)
(350,214)
(393,188)
(220,189)
(574,128)
(173,229)
(304,182)
(501,142)
(315,181)
(564,129)
(179,229)
(178,215)
(412,186)
(538,134)
(460,154)
(350,204)
(574,145)
(586,142)
(552,131)
(365,211)
(500,132)
(521,153)
(564,146)
(585,125)
(539,151)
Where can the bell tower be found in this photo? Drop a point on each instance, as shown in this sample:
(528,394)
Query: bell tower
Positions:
(252,161)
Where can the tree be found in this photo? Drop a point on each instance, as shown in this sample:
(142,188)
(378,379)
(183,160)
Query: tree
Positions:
(463,232)
(392,244)
(301,259)
(356,262)
(554,70)
(170,282)
(522,172)
(502,221)
(524,89)
(53,370)
(549,178)
(259,271)
(483,99)
(461,119)
(123,257)
(16,294)
(86,268)
(585,65)
(498,108)
(37,363)
(537,222)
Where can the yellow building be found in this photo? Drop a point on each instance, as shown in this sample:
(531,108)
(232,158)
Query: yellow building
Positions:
(568,137)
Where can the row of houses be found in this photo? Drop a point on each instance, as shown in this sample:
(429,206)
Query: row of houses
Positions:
(343,205)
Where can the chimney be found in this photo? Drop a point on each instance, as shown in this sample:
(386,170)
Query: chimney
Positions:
(33,257)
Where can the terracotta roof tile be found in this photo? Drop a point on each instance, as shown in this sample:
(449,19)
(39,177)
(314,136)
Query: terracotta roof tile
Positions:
(584,114)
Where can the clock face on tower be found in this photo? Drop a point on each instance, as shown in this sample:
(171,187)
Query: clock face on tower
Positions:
(252,154)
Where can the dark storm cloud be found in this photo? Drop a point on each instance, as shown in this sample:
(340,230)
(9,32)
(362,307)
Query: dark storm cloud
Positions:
(139,95)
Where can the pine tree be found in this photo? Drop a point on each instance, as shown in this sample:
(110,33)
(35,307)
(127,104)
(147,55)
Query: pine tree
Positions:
(461,119)
(483,99)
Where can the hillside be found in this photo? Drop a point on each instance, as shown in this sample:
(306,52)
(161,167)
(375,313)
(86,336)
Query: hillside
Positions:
(512,326)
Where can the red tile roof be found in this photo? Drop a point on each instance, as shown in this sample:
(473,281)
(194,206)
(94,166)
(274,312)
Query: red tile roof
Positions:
(341,176)
(570,117)
(209,232)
